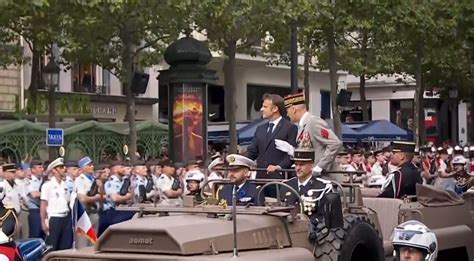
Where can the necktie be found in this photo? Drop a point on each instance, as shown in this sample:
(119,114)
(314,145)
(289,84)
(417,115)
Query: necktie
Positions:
(300,188)
(270,128)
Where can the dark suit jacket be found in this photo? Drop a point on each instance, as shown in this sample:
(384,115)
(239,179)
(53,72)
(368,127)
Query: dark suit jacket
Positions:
(245,195)
(291,199)
(405,180)
(263,147)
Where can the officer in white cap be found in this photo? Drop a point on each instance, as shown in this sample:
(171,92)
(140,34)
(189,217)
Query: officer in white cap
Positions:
(8,227)
(239,172)
(215,170)
(55,214)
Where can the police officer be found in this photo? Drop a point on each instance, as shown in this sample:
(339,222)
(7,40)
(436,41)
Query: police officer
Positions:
(413,240)
(86,188)
(14,194)
(8,228)
(194,182)
(142,183)
(55,213)
(117,191)
(215,171)
(21,182)
(304,182)
(402,182)
(239,172)
(33,203)
(72,172)
(325,143)
(102,174)
(167,183)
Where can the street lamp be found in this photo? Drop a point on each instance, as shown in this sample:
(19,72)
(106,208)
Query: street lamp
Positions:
(51,75)
(453,96)
(51,81)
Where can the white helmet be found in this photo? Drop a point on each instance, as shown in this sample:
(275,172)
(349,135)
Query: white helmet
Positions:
(376,181)
(195,175)
(2,190)
(415,234)
(459,160)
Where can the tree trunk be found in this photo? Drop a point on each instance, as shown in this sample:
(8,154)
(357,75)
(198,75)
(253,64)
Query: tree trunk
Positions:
(307,58)
(127,84)
(417,110)
(294,58)
(230,101)
(35,76)
(363,99)
(333,81)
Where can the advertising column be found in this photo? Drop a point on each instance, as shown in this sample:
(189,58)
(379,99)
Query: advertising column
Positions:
(189,126)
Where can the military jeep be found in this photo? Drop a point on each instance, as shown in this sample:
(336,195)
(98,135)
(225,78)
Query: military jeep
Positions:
(171,231)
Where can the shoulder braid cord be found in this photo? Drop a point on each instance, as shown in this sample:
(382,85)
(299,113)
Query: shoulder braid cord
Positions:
(4,217)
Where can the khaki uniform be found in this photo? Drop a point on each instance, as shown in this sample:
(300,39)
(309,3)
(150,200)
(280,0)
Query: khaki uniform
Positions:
(325,143)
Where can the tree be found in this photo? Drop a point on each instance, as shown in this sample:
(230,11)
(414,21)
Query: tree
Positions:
(362,52)
(39,23)
(424,34)
(231,26)
(122,37)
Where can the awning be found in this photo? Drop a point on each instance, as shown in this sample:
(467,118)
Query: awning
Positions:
(219,133)
(379,130)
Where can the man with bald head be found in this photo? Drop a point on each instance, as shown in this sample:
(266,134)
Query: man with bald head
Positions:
(325,143)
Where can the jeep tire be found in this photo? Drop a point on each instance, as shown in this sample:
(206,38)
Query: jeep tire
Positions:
(356,240)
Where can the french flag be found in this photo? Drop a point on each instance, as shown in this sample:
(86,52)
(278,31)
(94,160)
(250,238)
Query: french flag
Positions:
(80,220)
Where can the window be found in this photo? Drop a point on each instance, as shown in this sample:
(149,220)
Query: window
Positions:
(325,105)
(83,78)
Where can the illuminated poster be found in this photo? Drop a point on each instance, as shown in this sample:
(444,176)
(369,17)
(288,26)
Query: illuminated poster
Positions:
(188,138)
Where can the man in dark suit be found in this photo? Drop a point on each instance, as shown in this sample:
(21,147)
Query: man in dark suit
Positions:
(239,171)
(263,148)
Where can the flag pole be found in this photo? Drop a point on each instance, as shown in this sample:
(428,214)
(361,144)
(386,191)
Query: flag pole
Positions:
(74,224)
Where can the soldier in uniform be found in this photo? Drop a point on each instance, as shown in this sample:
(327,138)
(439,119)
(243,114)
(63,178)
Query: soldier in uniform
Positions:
(402,182)
(8,228)
(117,191)
(55,213)
(215,171)
(306,184)
(142,183)
(239,172)
(168,184)
(72,172)
(86,188)
(33,203)
(194,180)
(325,143)
(14,194)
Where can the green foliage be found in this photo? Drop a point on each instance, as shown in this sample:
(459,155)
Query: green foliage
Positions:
(106,32)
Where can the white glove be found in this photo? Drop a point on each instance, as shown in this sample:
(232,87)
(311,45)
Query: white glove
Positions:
(284,146)
(317,171)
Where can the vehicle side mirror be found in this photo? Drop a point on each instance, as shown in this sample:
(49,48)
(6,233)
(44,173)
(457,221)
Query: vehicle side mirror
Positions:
(332,210)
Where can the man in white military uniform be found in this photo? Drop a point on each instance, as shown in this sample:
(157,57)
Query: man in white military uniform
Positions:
(22,183)
(142,183)
(167,183)
(325,143)
(55,213)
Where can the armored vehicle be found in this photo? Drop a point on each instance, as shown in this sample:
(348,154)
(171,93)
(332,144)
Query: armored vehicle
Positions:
(358,229)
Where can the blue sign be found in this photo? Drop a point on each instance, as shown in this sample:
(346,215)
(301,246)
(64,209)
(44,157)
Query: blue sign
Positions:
(54,137)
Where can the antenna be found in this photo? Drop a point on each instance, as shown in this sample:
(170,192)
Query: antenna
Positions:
(234,220)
